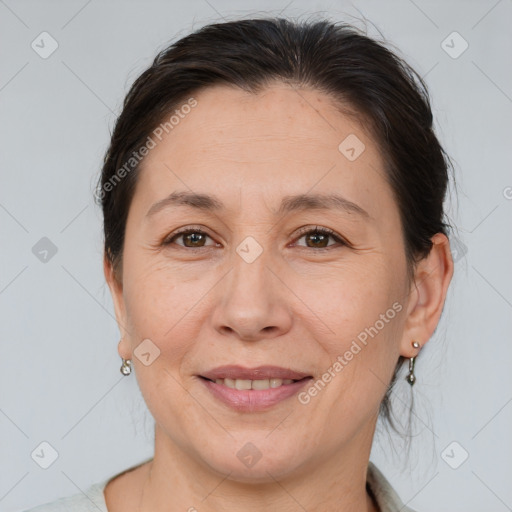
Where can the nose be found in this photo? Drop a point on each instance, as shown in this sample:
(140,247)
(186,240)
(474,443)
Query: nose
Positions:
(252,303)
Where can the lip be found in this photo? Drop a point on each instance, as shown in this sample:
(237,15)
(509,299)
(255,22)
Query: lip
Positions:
(253,400)
(258,373)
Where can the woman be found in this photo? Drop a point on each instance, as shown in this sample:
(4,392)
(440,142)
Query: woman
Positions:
(276,251)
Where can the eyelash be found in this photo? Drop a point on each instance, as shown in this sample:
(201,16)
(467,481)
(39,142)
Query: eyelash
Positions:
(302,232)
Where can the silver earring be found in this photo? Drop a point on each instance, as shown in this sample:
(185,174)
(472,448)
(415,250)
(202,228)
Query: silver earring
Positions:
(126,367)
(411,378)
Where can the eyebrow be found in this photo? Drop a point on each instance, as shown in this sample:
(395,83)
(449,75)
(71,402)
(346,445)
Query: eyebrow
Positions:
(289,203)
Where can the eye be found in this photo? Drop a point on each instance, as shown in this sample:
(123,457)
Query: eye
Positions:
(319,237)
(195,238)
(191,236)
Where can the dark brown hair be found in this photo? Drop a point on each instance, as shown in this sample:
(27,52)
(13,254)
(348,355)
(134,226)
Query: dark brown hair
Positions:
(359,73)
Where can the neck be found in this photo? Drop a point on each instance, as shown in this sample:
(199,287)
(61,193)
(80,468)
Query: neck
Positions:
(339,483)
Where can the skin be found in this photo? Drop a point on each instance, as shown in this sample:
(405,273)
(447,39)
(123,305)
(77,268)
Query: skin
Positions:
(295,306)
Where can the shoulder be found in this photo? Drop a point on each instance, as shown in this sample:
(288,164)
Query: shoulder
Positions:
(92,500)
(386,497)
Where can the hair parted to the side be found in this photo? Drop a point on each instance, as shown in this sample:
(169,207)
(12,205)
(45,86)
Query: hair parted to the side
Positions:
(361,75)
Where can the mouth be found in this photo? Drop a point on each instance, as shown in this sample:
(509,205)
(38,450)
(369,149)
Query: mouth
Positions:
(250,390)
(246,384)
(235,372)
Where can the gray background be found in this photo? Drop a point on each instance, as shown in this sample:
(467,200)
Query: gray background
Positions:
(59,378)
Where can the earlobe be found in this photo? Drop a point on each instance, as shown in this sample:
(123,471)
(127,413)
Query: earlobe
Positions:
(116,291)
(428,294)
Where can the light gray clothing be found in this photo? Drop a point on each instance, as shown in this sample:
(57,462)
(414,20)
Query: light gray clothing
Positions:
(94,500)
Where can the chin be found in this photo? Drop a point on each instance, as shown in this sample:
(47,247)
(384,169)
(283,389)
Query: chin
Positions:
(255,462)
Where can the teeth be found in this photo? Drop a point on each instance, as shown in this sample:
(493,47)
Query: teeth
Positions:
(260,384)
(242,384)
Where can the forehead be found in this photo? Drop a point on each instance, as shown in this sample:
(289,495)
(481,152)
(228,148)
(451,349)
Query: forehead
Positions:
(277,117)
(282,140)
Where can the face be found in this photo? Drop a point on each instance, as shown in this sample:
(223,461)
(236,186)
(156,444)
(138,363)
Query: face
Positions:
(252,284)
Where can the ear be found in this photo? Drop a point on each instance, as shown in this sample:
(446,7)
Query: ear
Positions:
(427,295)
(116,290)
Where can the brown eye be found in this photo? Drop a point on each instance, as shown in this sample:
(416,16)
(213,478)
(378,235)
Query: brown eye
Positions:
(192,238)
(318,238)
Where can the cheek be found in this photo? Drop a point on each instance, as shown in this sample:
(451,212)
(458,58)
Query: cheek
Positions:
(348,298)
(155,292)
(159,307)
(360,318)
